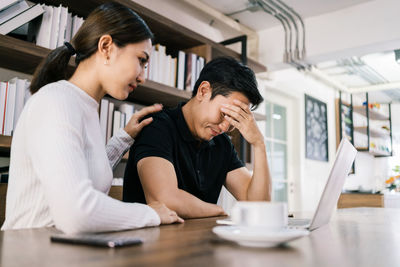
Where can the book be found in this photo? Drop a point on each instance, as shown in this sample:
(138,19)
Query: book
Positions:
(19,99)
(188,72)
(13,10)
(173,72)
(55,27)
(193,72)
(110,121)
(20,18)
(3,98)
(117,120)
(7,3)
(180,77)
(10,107)
(68,29)
(62,28)
(123,119)
(103,118)
(127,109)
(76,24)
(43,36)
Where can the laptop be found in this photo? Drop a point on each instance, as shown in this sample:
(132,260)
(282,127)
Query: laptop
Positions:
(344,160)
(330,196)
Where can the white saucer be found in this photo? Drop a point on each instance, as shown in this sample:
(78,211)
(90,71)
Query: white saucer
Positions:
(251,237)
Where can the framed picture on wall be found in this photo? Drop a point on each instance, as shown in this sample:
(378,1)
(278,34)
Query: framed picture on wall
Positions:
(316,129)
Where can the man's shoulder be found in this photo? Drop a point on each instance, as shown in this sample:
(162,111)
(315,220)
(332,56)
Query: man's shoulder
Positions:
(163,125)
(161,118)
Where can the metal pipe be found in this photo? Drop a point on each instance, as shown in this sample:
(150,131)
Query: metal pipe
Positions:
(290,18)
(279,14)
(271,12)
(302,25)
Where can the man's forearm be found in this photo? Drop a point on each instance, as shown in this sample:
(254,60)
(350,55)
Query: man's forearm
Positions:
(188,206)
(260,185)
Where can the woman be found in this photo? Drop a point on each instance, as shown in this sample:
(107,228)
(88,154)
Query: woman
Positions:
(60,172)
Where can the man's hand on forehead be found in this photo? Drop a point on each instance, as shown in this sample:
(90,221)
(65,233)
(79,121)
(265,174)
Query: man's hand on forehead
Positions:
(240,116)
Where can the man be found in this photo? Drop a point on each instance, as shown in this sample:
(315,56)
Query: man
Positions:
(184,156)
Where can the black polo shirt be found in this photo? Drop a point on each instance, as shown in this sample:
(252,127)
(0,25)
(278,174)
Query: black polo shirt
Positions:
(201,168)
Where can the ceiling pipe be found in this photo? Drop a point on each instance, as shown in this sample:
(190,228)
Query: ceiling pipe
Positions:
(271,11)
(285,18)
(303,52)
(284,12)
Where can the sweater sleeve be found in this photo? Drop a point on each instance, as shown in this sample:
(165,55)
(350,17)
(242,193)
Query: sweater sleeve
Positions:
(55,145)
(117,146)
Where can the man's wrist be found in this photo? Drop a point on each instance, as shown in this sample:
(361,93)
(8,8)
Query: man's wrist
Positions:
(260,144)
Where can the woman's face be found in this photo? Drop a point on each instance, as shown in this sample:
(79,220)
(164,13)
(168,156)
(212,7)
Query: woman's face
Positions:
(125,69)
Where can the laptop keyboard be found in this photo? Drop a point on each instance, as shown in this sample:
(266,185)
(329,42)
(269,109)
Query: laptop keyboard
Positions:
(298,222)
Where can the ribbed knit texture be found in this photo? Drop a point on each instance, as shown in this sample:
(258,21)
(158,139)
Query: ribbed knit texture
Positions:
(60,172)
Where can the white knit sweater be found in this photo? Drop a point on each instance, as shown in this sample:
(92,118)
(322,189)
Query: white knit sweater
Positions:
(60,171)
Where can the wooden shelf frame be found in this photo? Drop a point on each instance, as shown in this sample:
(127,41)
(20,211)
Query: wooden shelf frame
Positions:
(5,142)
(23,56)
(167,32)
(374,115)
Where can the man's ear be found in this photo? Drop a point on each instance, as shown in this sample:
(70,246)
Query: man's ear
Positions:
(203,91)
(104,46)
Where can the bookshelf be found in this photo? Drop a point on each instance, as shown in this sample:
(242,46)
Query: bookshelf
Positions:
(344,121)
(369,125)
(22,56)
(5,145)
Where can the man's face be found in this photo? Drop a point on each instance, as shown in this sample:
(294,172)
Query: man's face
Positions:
(210,120)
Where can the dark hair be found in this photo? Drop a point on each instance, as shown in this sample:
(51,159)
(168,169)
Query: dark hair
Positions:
(120,22)
(227,75)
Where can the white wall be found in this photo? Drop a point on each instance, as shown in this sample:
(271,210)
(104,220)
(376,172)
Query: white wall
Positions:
(309,176)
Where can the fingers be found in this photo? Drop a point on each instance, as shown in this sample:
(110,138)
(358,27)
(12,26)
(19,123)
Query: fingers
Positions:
(144,123)
(238,109)
(242,106)
(175,218)
(235,113)
(232,122)
(147,110)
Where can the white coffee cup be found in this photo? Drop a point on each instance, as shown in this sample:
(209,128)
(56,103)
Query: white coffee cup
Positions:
(271,216)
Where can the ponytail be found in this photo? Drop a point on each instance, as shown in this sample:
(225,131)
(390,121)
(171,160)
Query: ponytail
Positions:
(53,68)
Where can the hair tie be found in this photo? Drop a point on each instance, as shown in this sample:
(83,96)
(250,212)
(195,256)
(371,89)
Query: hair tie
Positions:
(71,49)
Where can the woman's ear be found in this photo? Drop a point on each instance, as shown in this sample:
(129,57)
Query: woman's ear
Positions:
(105,47)
(203,91)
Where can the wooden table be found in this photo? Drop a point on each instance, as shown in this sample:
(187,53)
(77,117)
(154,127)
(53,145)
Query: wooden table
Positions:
(355,200)
(355,237)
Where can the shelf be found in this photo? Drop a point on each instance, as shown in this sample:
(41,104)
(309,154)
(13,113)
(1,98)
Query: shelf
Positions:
(151,92)
(379,133)
(360,110)
(372,114)
(22,56)
(376,115)
(362,148)
(5,144)
(380,154)
(346,104)
(167,32)
(361,129)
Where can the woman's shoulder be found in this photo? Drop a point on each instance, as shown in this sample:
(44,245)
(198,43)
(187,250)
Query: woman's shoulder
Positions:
(54,100)
(55,92)
(63,94)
